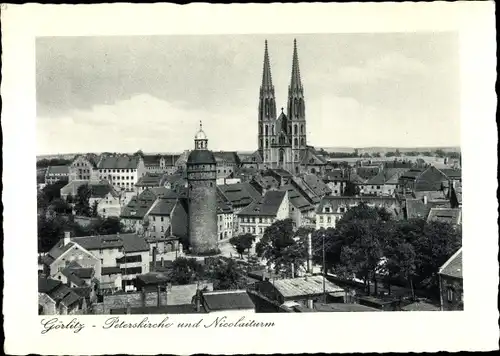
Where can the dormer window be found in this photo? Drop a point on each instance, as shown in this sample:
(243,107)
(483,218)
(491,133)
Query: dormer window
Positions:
(342,209)
(327,209)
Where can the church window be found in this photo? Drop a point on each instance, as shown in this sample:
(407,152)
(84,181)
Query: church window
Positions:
(295,130)
(267,130)
(272,130)
(301,107)
(267,143)
(302,129)
(295,142)
(272,141)
(260,130)
(296,107)
(266,107)
(302,143)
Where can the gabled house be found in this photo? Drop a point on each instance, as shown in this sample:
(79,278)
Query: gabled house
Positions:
(301,211)
(226,223)
(312,162)
(84,167)
(134,216)
(257,216)
(226,302)
(121,171)
(253,160)
(168,216)
(149,180)
(447,215)
(451,283)
(336,180)
(239,195)
(56,298)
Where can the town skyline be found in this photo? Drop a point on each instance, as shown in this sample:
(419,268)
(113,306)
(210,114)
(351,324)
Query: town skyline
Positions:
(380,80)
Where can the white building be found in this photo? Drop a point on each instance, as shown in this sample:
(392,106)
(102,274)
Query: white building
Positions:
(122,172)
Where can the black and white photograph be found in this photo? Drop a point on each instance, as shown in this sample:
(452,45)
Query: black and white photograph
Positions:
(235,178)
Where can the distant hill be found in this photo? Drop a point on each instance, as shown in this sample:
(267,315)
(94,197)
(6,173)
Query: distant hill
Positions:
(390,149)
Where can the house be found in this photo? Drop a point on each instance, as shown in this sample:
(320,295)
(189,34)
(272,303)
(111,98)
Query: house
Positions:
(149,180)
(56,298)
(165,248)
(420,208)
(447,215)
(385,183)
(451,283)
(225,219)
(318,187)
(84,167)
(121,171)
(336,180)
(56,173)
(302,290)
(422,180)
(331,208)
(71,189)
(282,176)
(129,252)
(168,216)
(65,252)
(173,181)
(111,280)
(301,211)
(74,275)
(305,190)
(227,302)
(257,216)
(153,163)
(134,216)
(105,198)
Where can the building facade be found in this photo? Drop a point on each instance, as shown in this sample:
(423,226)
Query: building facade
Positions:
(121,171)
(202,192)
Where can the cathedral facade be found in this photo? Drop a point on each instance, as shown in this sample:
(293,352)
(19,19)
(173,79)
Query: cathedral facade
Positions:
(282,139)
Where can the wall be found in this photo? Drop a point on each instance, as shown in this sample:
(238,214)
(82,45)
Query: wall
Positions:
(180,220)
(48,304)
(225,224)
(109,206)
(158,225)
(456,285)
(114,279)
(134,300)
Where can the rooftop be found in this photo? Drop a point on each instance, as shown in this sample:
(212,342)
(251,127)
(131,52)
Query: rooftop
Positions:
(227,300)
(448,215)
(163,207)
(267,206)
(453,267)
(64,170)
(118,162)
(297,287)
(129,242)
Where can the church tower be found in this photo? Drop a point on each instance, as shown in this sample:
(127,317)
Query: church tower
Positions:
(202,197)
(267,111)
(296,110)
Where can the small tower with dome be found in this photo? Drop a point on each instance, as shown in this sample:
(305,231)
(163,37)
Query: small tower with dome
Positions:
(202,192)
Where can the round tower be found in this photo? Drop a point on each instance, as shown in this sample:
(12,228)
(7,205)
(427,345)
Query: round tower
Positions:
(202,192)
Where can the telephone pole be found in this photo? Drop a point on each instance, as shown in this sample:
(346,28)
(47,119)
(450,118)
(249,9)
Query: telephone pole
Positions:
(324,269)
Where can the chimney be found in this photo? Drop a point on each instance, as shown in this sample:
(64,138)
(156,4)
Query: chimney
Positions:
(309,253)
(425,199)
(158,295)
(198,297)
(67,238)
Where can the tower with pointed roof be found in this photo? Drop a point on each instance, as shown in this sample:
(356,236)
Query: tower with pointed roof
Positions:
(296,109)
(267,109)
(282,140)
(202,197)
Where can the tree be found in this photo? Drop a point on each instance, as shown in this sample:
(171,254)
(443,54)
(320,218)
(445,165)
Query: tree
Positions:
(49,193)
(94,209)
(82,200)
(440,153)
(227,276)
(186,271)
(107,226)
(139,153)
(242,242)
(276,238)
(376,154)
(60,206)
(390,154)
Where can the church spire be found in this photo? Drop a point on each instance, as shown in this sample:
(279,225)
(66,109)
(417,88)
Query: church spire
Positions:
(295,82)
(267,81)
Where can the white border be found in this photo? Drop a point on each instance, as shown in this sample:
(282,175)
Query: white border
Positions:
(474,329)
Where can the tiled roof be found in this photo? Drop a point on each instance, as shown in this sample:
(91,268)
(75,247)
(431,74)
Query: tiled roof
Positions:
(72,277)
(420,306)
(452,216)
(412,173)
(252,158)
(343,307)
(57,250)
(310,195)
(227,157)
(101,190)
(312,157)
(163,207)
(335,175)
(163,309)
(171,178)
(149,180)
(239,194)
(267,206)
(316,184)
(47,285)
(281,172)
(452,173)
(57,170)
(415,208)
(139,206)
(201,157)
(130,242)
(453,267)
(227,300)
(110,270)
(299,287)
(72,187)
(118,162)
(335,202)
(223,206)
(367,172)
(151,160)
(297,199)
(431,195)
(430,179)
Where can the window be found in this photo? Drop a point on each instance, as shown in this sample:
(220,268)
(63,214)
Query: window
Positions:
(162,229)
(320,219)
(378,186)
(329,219)
(450,294)
(327,209)
(161,218)
(132,270)
(342,210)
(129,259)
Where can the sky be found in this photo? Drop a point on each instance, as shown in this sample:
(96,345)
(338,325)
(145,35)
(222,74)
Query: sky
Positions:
(122,94)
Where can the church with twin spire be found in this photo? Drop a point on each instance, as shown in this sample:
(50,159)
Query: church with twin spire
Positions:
(282,140)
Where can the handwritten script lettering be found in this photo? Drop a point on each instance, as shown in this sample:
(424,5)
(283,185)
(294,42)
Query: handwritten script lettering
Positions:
(242,322)
(145,323)
(56,324)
